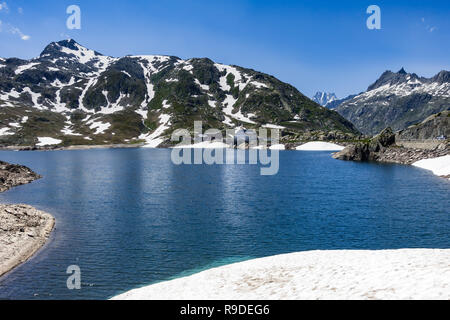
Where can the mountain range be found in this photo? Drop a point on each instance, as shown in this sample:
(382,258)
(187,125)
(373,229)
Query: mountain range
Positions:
(397,100)
(72,95)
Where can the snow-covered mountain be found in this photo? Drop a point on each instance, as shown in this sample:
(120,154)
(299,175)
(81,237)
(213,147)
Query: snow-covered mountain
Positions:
(73,95)
(397,99)
(324,98)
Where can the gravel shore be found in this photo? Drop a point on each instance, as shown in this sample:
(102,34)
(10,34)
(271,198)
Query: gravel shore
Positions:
(23,229)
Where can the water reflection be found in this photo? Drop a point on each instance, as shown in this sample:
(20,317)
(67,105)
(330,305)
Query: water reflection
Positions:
(131,217)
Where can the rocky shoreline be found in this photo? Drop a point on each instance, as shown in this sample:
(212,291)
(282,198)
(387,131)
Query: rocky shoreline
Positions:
(72,147)
(12,175)
(23,229)
(384,148)
(409,156)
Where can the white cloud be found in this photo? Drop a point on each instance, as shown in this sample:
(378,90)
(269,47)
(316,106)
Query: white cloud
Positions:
(13,30)
(10,28)
(4,7)
(428,27)
(17,31)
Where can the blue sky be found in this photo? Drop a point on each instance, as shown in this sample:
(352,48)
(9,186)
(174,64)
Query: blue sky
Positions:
(314,45)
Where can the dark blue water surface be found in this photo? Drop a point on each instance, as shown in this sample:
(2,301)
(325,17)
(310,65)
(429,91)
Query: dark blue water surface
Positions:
(129,217)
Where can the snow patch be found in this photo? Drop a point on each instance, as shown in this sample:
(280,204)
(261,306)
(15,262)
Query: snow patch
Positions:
(6,132)
(47,141)
(273,126)
(439,166)
(21,69)
(15,125)
(330,275)
(319,146)
(99,126)
(34,98)
(228,110)
(126,73)
(154,139)
(277,147)
(203,86)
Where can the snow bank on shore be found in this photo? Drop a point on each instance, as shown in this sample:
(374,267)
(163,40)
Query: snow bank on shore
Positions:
(319,146)
(439,166)
(277,147)
(341,274)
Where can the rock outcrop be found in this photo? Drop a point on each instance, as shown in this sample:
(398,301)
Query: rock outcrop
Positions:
(383,148)
(368,150)
(12,175)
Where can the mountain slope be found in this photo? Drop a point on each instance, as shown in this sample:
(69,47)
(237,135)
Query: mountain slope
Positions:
(397,100)
(72,95)
(336,103)
(436,126)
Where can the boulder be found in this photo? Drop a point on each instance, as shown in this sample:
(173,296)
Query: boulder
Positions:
(368,151)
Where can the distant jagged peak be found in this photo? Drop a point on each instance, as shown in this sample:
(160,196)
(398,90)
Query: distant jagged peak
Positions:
(391,78)
(402,71)
(323,98)
(442,77)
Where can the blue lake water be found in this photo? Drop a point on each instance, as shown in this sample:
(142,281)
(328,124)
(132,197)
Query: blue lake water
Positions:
(129,217)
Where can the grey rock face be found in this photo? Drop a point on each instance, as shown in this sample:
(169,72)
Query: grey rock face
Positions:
(436,126)
(368,151)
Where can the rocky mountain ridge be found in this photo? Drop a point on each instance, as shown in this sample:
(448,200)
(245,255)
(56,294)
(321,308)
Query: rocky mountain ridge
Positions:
(397,100)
